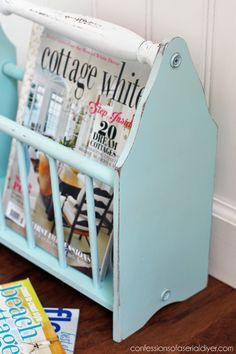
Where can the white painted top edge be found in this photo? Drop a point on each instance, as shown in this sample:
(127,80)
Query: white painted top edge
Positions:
(102,36)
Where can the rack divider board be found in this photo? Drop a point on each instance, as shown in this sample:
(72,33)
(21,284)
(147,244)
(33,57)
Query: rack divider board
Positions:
(163,181)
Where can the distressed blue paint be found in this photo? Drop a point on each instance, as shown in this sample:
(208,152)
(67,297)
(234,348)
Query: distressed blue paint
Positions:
(57,212)
(165,189)
(92,231)
(8,97)
(22,162)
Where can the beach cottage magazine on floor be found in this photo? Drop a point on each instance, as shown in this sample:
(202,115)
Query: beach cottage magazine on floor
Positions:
(25,327)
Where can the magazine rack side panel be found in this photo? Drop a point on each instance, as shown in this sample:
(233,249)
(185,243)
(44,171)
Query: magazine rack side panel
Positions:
(8,97)
(165,189)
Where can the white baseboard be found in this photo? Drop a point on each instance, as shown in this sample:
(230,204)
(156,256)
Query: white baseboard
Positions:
(222,263)
(224,211)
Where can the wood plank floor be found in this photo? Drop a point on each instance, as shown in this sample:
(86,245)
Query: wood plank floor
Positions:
(208,318)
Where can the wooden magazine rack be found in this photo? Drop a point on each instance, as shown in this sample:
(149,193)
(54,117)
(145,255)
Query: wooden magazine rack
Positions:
(163,181)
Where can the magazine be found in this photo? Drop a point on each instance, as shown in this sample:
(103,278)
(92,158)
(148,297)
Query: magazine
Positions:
(25,327)
(85,101)
(65,323)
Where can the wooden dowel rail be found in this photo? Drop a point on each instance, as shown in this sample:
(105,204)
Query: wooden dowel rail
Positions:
(57,212)
(58,151)
(25,193)
(92,230)
(13,71)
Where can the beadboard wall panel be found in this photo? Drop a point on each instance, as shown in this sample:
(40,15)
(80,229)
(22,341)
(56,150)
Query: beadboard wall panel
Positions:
(79,6)
(223,106)
(18,31)
(223,98)
(128,13)
(185,18)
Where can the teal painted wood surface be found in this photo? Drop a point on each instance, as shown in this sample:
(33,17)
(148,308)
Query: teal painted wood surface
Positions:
(57,212)
(92,230)
(13,71)
(8,96)
(69,275)
(2,218)
(164,190)
(25,194)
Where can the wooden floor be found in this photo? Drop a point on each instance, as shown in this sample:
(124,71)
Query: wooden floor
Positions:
(208,318)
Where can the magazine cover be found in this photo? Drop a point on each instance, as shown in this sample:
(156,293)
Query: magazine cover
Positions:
(85,101)
(25,327)
(65,323)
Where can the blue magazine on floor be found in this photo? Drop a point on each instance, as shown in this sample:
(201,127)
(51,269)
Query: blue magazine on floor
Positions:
(65,323)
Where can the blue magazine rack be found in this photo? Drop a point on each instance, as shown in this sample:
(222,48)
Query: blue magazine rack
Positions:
(163,190)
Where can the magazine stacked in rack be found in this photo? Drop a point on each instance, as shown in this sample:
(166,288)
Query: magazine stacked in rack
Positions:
(86,101)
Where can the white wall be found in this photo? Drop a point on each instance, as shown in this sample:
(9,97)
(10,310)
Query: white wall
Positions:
(207,26)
